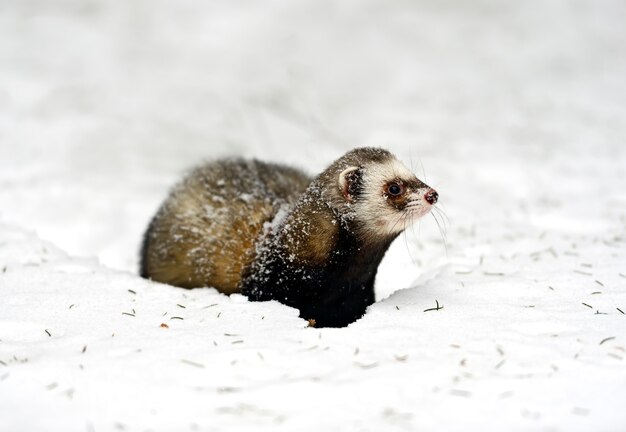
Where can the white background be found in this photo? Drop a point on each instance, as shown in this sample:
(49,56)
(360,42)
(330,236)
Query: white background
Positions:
(514,111)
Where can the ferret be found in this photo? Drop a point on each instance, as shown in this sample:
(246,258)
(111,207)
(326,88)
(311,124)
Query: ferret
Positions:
(271,232)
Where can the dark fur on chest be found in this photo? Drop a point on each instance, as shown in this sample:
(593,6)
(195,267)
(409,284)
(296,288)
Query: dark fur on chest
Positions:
(334,293)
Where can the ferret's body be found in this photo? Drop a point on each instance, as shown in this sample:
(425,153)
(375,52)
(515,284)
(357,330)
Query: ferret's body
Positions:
(271,233)
(204,234)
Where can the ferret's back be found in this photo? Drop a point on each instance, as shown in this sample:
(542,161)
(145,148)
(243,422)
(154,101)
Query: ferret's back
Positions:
(205,232)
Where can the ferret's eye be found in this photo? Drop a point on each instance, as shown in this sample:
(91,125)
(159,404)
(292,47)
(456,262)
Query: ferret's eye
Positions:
(395,189)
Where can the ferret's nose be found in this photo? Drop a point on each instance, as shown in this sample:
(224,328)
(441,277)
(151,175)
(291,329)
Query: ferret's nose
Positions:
(431,196)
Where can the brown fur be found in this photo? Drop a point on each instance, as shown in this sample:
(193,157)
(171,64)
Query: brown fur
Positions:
(205,232)
(315,233)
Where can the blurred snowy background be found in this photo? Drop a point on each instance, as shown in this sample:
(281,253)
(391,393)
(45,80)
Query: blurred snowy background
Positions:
(514,111)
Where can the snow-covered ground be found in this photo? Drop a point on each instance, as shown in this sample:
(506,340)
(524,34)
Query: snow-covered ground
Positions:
(515,112)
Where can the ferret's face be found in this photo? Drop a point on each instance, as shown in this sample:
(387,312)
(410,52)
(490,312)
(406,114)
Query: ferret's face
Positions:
(386,197)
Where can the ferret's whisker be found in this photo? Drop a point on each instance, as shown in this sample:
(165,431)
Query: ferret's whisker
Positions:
(442,212)
(444,219)
(423,170)
(443,237)
(412,222)
(400,217)
(395,223)
(443,226)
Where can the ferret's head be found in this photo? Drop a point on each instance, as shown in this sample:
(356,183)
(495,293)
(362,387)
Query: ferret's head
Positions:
(384,196)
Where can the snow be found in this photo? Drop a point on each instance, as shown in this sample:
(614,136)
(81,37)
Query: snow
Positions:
(514,111)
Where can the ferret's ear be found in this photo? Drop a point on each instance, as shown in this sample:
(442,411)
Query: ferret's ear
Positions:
(350,181)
